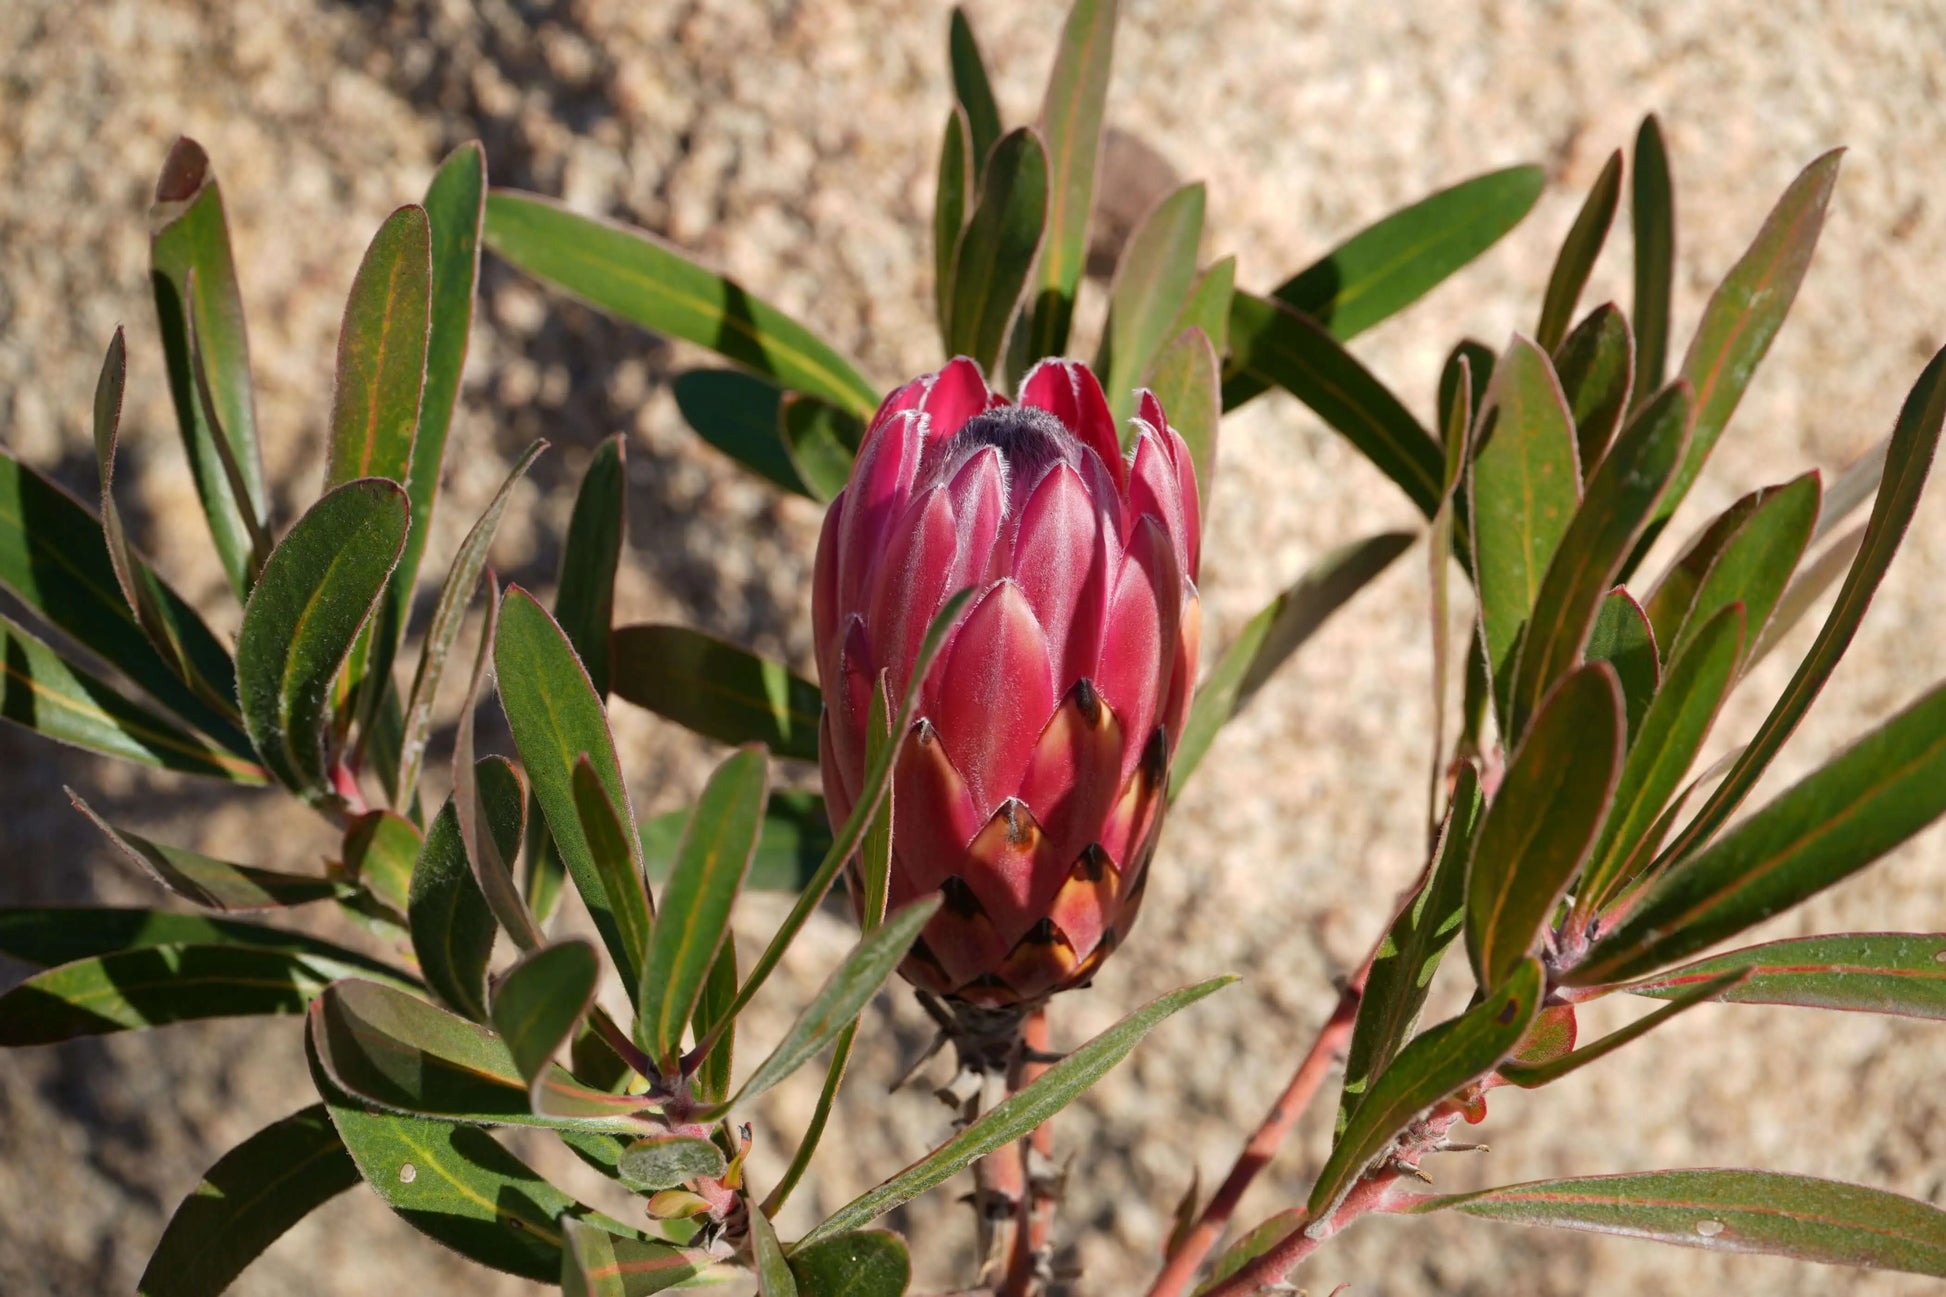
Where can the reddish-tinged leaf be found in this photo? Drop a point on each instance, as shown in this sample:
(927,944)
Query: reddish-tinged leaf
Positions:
(382,354)
(1152,281)
(1578,253)
(1532,1073)
(213,884)
(597,1263)
(1070,124)
(997,248)
(1652,213)
(1623,638)
(1900,973)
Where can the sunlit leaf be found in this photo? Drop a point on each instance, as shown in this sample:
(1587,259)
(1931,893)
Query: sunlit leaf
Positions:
(1900,973)
(596,1263)
(998,247)
(1578,252)
(1152,279)
(1652,216)
(863,1263)
(1071,127)
(717,689)
(1596,363)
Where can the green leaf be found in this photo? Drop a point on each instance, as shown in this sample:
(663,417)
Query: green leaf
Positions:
(1884,789)
(972,89)
(540,1003)
(839,1001)
(1207,306)
(189,236)
(711,1081)
(452,925)
(379,851)
(1525,486)
(1014,1116)
(1152,281)
(1730,1211)
(665,1161)
(634,276)
(863,1263)
(1187,380)
(246,1202)
(54,558)
(213,884)
(1900,973)
(455,206)
(795,834)
(1652,215)
(1071,124)
(585,602)
(1752,568)
(1456,426)
(382,354)
(820,440)
(1578,252)
(1533,1075)
(1392,263)
(488,795)
(462,579)
(314,597)
(1914,440)
(617,860)
(1670,735)
(717,689)
(396,1052)
(1273,345)
(997,248)
(1620,493)
(1536,834)
(737,414)
(556,717)
(1402,971)
(153,986)
(1745,313)
(774,1278)
(1272,636)
(1623,638)
(694,917)
(1595,364)
(956,180)
(40,692)
(597,1263)
(62,934)
(1436,1064)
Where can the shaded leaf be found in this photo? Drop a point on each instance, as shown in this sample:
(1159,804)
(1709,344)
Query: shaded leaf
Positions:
(717,689)
(634,276)
(246,1202)
(617,860)
(1152,280)
(1014,1116)
(1071,127)
(711,1080)
(1623,638)
(774,1278)
(1730,1211)
(539,1003)
(1866,972)
(1752,567)
(452,925)
(820,441)
(973,90)
(487,795)
(1809,585)
(380,849)
(585,600)
(314,596)
(956,181)
(210,883)
(793,839)
(596,1263)
(997,248)
(737,413)
(45,937)
(1652,215)
(863,1263)
(1596,363)
(1578,252)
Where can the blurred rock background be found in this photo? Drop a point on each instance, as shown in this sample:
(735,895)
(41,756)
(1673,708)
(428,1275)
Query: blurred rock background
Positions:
(792,143)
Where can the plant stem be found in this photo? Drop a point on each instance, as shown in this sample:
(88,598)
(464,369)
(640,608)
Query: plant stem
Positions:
(1367,1195)
(1269,1137)
(1034,1224)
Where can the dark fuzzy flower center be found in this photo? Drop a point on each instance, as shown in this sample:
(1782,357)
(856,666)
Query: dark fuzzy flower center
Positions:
(1029,439)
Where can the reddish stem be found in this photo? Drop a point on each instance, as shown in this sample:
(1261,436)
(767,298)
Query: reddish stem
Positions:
(1276,1127)
(1034,1225)
(1271,1268)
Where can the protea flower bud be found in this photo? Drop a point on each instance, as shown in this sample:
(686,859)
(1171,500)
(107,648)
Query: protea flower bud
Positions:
(1031,789)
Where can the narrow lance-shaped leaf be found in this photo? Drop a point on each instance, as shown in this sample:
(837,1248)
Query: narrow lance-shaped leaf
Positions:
(774,1278)
(46,937)
(820,440)
(1525,485)
(1534,1075)
(1395,261)
(1808,585)
(188,234)
(1015,1116)
(1401,974)
(1623,638)
(1900,973)
(1187,380)
(1914,441)
(1537,832)
(1270,637)
(153,986)
(617,857)
(234,472)
(210,883)
(694,917)
(1596,364)
(1885,788)
(42,693)
(1456,422)
(839,1001)
(1730,1211)
(246,1202)
(636,277)
(1620,495)
(795,834)
(382,354)
(1151,282)
(452,925)
(1752,568)
(1578,252)
(1652,213)
(737,413)
(315,594)
(710,1082)
(539,1004)
(717,689)
(1436,1064)
(973,90)
(997,248)
(1207,306)
(596,1263)
(556,717)
(1273,345)
(1745,313)
(448,615)
(956,181)
(54,558)
(1071,125)
(480,801)
(1670,735)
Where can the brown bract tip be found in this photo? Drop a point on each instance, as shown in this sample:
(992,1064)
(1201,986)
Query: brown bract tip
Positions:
(184,172)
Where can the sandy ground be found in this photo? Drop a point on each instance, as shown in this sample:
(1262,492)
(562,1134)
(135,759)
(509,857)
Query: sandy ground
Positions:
(792,143)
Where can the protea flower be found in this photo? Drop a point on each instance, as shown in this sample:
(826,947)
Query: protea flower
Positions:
(1030,790)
